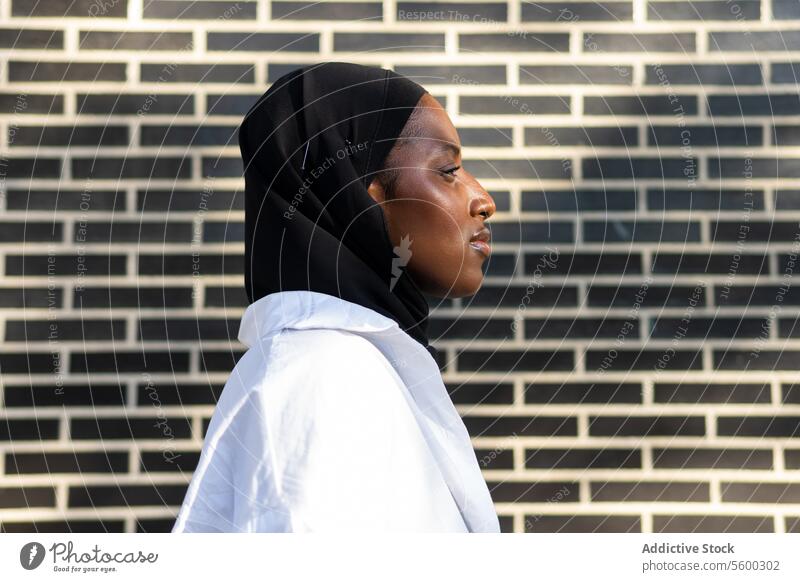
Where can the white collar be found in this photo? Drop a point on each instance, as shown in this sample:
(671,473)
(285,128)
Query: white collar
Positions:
(305,310)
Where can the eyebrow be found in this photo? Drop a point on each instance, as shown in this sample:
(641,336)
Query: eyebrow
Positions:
(447,146)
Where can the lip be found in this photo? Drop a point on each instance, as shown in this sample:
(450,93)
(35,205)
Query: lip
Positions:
(480,241)
(481,246)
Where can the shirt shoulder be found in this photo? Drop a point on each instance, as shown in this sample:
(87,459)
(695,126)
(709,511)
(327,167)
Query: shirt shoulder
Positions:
(329,374)
(330,353)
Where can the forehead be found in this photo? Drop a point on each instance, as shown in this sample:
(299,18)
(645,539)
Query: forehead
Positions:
(435,125)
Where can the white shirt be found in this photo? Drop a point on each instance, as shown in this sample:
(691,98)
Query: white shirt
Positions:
(334,419)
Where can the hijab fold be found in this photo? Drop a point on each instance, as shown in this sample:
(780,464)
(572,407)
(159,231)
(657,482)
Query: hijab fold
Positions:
(311,145)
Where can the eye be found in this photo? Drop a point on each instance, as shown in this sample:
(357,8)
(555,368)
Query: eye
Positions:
(451,171)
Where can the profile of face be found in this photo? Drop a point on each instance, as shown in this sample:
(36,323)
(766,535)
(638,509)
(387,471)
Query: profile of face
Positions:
(433,203)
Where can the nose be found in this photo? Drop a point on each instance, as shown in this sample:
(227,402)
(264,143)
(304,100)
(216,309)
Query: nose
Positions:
(481,202)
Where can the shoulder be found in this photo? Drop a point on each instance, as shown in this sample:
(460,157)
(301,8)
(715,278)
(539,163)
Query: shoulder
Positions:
(302,370)
(333,366)
(325,341)
(310,382)
(306,353)
(337,349)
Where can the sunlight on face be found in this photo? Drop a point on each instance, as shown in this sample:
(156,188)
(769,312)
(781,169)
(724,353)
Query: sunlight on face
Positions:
(438,205)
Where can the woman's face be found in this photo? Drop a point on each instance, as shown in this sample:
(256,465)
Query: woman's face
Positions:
(438,207)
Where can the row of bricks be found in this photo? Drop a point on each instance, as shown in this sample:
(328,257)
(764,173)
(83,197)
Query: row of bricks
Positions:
(171,495)
(563,522)
(168,428)
(655,103)
(418,12)
(576,72)
(744,39)
(686,170)
(661,230)
(567,459)
(19,203)
(596,137)
(588,392)
(671,166)
(757,358)
(696,327)
(600,297)
(570,263)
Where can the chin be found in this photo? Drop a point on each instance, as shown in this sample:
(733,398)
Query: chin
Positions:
(465,286)
(463,281)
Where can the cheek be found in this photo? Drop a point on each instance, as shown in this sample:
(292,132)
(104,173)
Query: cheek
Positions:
(439,253)
(433,226)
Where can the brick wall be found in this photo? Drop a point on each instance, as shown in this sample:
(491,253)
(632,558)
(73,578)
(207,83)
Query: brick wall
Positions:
(630,363)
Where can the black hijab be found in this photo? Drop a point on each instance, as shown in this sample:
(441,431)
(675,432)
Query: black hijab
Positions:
(311,145)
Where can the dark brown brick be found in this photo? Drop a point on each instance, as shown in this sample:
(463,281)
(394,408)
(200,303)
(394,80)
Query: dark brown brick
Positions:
(712,458)
(650,491)
(508,425)
(70,8)
(126,495)
(583,524)
(556,493)
(622,426)
(770,493)
(712,524)
(606,458)
(74,462)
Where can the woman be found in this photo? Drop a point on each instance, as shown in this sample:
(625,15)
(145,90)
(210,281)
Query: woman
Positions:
(337,417)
